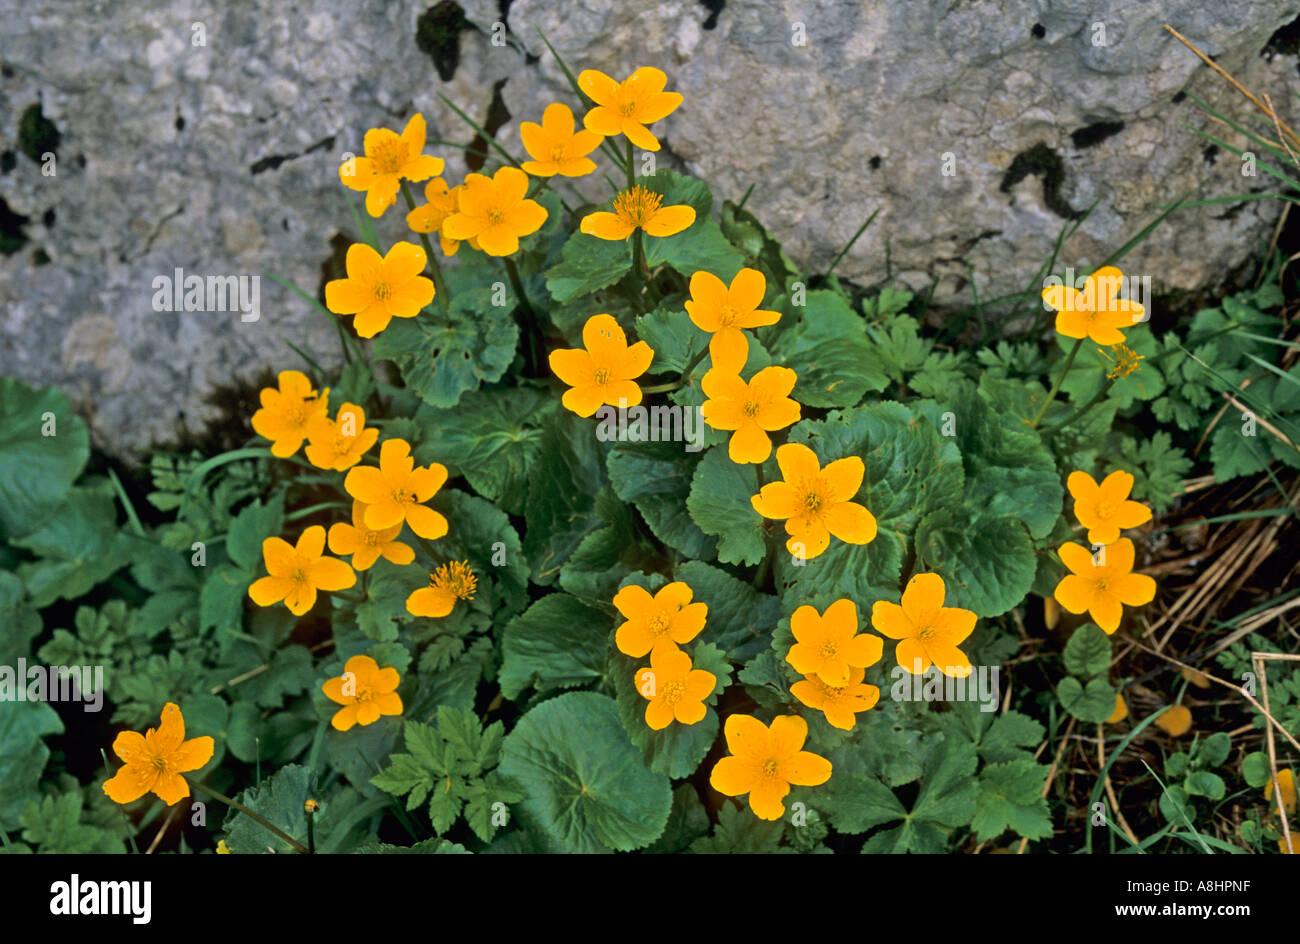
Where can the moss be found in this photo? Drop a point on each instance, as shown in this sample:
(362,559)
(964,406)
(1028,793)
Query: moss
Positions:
(1041,161)
(437,34)
(37,134)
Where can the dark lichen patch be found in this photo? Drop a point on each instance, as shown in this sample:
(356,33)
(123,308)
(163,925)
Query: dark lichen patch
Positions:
(40,257)
(1041,161)
(273,161)
(498,115)
(1095,133)
(1179,97)
(714,7)
(875,162)
(437,35)
(8,160)
(12,237)
(228,429)
(1038,31)
(335,266)
(1210,153)
(1284,42)
(37,135)
(48,218)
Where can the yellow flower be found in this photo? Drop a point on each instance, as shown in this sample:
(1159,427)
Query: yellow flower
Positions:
(365,691)
(606,371)
(296,573)
(451,582)
(442,201)
(1105,509)
(367,545)
(380,288)
(752,409)
(627,107)
(1126,361)
(840,703)
(1103,590)
(1095,312)
(1285,780)
(397,490)
(494,212)
(638,208)
(222,848)
(816,501)
(554,146)
(1175,721)
(928,632)
(765,761)
(288,413)
(665,620)
(723,310)
(676,691)
(341,442)
(828,645)
(1120,712)
(389,158)
(156,759)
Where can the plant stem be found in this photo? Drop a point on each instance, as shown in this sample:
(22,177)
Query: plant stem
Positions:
(1080,412)
(439,286)
(631,177)
(1060,378)
(694,362)
(517,284)
(236,805)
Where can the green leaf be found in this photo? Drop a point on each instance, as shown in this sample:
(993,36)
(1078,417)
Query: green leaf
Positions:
(1011,797)
(587,264)
(1206,784)
(687,822)
(494,440)
(442,356)
(560,509)
(23,753)
(987,564)
(1088,653)
(740,832)
(607,555)
(55,826)
(865,572)
(558,642)
(1095,703)
(481,533)
(656,477)
(719,504)
(251,526)
(673,337)
(586,785)
(740,619)
(701,246)
(279,800)
(36,470)
(1008,736)
(427,847)
(854,800)
(825,343)
(1254,768)
(79,547)
(19,623)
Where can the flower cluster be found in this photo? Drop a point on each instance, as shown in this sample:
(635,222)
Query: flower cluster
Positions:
(658,625)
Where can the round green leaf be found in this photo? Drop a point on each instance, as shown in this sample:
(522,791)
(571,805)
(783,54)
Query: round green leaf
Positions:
(43,448)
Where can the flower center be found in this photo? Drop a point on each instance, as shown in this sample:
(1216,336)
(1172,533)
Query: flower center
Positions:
(770,768)
(299,576)
(402,497)
(296,415)
(456,578)
(1103,584)
(372,539)
(751,408)
(628,108)
(1105,509)
(813,502)
(558,155)
(382,291)
(637,206)
(495,216)
(727,316)
(389,156)
(657,625)
(341,444)
(673,691)
(828,650)
(927,632)
(602,375)
(160,764)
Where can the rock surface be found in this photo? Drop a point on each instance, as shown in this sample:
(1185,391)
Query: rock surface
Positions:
(210,141)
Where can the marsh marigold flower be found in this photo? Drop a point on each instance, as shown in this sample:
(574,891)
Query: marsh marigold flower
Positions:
(606,371)
(295,574)
(1105,509)
(1285,780)
(838,703)
(1095,312)
(1175,721)
(638,208)
(666,620)
(555,148)
(816,502)
(494,212)
(752,409)
(380,288)
(289,412)
(389,158)
(627,107)
(442,203)
(676,691)
(365,691)
(828,644)
(724,310)
(1102,589)
(451,582)
(367,545)
(928,632)
(339,443)
(765,761)
(397,490)
(1120,712)
(156,759)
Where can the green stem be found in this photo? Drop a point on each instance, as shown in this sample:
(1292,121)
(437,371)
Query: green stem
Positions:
(1060,378)
(631,177)
(694,362)
(517,284)
(130,834)
(236,805)
(439,286)
(663,387)
(1077,414)
(311,831)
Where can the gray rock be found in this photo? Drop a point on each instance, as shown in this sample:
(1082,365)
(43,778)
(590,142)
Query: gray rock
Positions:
(221,159)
